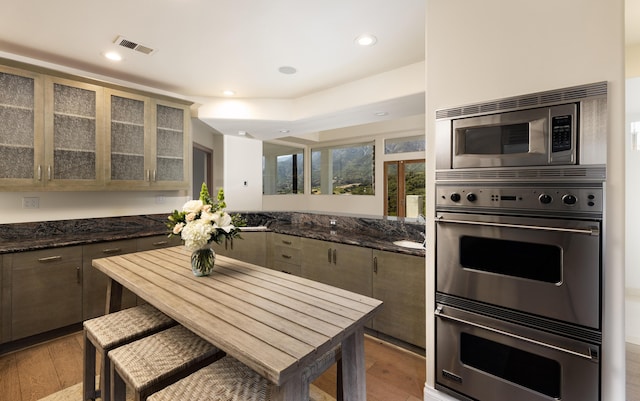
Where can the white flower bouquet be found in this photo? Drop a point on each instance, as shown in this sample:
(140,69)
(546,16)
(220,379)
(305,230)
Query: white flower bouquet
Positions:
(203,221)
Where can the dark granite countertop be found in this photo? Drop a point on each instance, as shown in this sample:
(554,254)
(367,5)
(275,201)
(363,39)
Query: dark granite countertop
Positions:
(371,233)
(21,237)
(379,242)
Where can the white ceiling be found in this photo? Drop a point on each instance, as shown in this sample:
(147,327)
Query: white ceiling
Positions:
(206,46)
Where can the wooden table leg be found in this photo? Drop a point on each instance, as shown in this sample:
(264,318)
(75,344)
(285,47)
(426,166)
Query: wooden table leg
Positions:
(292,390)
(354,384)
(114,296)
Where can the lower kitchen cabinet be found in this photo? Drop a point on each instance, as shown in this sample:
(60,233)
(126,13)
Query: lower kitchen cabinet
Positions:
(156,241)
(399,281)
(343,266)
(251,248)
(284,253)
(46,290)
(4,292)
(52,288)
(94,282)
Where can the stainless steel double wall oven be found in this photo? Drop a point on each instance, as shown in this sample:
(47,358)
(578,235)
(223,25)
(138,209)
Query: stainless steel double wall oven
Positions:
(519,214)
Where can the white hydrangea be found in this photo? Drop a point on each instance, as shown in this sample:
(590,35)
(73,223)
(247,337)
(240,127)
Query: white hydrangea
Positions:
(196,234)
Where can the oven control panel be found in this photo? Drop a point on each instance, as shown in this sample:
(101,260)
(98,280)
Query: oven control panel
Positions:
(551,198)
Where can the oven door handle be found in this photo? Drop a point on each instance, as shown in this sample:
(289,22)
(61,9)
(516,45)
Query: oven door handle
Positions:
(440,313)
(589,231)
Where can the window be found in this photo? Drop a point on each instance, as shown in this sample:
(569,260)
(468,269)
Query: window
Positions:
(405,188)
(282,169)
(343,170)
(403,145)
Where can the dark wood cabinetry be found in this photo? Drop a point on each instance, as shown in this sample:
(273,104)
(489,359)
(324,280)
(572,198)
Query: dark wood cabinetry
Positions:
(343,266)
(46,290)
(399,281)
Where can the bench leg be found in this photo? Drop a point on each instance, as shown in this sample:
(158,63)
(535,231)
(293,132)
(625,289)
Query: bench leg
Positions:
(118,386)
(105,378)
(89,370)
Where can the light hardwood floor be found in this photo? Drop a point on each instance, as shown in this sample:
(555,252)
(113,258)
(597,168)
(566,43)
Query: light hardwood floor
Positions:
(393,374)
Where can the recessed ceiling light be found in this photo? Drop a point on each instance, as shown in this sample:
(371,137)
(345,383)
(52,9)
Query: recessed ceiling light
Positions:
(228,92)
(286,69)
(284,131)
(366,39)
(242,133)
(113,56)
(381,113)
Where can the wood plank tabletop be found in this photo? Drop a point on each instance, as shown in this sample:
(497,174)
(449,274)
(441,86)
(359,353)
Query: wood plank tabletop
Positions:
(276,323)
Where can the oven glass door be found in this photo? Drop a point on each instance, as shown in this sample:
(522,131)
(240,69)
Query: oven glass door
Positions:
(546,267)
(488,359)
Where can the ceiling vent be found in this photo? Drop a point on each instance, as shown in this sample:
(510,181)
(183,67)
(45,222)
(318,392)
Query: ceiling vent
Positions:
(129,44)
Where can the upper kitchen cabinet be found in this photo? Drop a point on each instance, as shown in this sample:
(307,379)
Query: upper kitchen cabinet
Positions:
(72,135)
(21,128)
(64,133)
(147,143)
(172,145)
(128,135)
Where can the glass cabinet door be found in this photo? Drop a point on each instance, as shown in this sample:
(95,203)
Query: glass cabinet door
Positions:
(21,129)
(127,116)
(171,144)
(72,132)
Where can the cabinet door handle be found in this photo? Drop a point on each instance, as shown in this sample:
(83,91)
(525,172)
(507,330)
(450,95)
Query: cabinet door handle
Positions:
(146,175)
(375,264)
(49,173)
(39,172)
(111,250)
(329,255)
(286,242)
(286,256)
(50,259)
(160,243)
(335,259)
(231,242)
(154,175)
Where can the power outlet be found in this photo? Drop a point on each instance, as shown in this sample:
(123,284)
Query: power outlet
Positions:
(31,203)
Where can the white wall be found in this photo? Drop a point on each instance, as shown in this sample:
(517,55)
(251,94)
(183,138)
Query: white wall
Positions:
(485,50)
(80,205)
(632,105)
(242,173)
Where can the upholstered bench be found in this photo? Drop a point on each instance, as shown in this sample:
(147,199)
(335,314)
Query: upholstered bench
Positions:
(154,362)
(230,380)
(104,333)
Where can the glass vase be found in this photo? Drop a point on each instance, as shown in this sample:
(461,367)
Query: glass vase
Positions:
(202,261)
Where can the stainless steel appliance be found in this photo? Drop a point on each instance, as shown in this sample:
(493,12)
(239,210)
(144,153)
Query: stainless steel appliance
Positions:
(519,252)
(493,359)
(561,127)
(547,266)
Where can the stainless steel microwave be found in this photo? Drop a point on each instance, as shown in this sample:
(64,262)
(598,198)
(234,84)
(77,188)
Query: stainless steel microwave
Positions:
(536,137)
(563,127)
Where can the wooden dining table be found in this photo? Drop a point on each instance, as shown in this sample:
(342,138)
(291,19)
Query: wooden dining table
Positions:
(276,323)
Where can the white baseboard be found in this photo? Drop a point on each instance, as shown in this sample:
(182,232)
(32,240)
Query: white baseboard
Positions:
(431,394)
